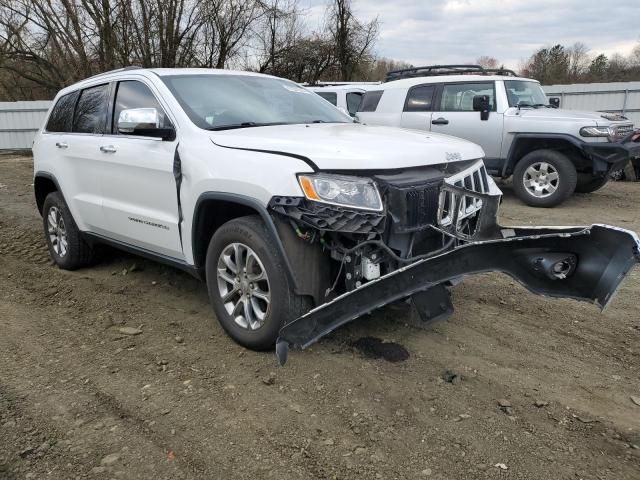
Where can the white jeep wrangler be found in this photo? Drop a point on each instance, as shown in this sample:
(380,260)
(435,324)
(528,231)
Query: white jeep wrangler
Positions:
(298,219)
(549,152)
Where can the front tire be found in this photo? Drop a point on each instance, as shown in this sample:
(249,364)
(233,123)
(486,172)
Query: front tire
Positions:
(587,183)
(67,248)
(544,178)
(248,286)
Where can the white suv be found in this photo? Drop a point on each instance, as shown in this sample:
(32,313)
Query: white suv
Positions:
(282,203)
(549,151)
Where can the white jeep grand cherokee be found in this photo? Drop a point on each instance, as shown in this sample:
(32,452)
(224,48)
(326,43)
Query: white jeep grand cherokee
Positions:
(298,219)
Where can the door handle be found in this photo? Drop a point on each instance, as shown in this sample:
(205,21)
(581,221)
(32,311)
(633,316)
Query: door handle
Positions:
(108,149)
(440,121)
(61,145)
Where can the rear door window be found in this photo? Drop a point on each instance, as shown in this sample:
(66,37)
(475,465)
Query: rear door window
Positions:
(370,101)
(91,111)
(62,114)
(330,97)
(420,99)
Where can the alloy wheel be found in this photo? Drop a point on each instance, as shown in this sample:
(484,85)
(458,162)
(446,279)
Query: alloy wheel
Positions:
(541,179)
(57,232)
(243,286)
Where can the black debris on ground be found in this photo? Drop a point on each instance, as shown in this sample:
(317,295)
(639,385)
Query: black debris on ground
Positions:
(372,347)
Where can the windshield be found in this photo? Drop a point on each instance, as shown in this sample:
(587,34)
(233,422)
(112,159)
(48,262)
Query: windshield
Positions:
(219,102)
(524,93)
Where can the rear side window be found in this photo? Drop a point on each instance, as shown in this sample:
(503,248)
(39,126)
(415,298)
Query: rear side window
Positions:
(134,94)
(62,113)
(330,97)
(370,101)
(353,102)
(419,99)
(91,110)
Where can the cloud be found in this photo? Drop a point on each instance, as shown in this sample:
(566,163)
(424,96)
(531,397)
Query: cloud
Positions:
(426,32)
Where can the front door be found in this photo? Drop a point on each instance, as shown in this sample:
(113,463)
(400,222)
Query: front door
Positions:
(139,190)
(454,115)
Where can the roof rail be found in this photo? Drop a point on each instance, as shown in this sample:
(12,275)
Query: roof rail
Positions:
(130,67)
(437,70)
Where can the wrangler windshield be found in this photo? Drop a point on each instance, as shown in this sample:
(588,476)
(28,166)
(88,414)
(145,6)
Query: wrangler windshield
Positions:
(221,102)
(524,93)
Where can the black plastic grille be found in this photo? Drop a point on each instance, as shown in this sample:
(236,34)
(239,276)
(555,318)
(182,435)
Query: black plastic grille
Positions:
(422,206)
(329,217)
(413,208)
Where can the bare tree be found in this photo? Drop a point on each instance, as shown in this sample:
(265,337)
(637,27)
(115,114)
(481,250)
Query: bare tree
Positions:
(353,39)
(277,35)
(487,61)
(230,21)
(578,61)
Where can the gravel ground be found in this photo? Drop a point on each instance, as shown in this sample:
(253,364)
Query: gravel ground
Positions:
(511,386)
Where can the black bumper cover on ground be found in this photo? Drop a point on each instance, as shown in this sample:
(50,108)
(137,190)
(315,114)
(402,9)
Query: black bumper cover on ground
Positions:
(604,256)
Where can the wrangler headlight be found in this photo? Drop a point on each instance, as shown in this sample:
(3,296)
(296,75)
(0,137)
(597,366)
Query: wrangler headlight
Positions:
(596,131)
(341,190)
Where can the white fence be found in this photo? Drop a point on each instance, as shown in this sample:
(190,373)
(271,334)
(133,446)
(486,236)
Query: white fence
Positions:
(615,97)
(19,122)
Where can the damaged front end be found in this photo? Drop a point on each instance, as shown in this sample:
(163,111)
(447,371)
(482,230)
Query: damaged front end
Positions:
(437,225)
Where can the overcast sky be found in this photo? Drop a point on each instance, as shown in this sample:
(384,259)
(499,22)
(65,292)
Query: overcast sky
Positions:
(424,32)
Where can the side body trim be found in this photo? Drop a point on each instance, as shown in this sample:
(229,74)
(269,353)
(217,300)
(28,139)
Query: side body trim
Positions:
(143,252)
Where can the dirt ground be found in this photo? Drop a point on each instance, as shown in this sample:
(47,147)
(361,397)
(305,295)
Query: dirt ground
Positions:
(540,389)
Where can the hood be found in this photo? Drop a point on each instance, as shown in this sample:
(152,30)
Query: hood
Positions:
(348,146)
(559,114)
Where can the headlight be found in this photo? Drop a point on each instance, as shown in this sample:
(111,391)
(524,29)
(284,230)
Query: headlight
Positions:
(596,131)
(341,190)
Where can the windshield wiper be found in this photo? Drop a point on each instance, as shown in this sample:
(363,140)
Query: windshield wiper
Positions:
(244,125)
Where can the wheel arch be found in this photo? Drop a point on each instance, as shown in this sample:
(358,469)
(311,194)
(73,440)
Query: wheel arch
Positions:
(214,209)
(524,143)
(44,183)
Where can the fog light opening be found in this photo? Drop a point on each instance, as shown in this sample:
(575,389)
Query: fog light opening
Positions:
(561,269)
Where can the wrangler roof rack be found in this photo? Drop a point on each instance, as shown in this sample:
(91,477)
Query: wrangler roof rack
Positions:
(437,70)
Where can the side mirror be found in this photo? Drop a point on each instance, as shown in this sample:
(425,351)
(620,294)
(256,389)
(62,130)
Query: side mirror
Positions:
(554,102)
(482,104)
(144,122)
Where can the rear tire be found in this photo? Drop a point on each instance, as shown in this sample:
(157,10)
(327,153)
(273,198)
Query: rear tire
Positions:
(67,248)
(544,178)
(587,183)
(244,266)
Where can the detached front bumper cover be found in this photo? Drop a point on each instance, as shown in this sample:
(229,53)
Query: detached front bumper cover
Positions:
(583,263)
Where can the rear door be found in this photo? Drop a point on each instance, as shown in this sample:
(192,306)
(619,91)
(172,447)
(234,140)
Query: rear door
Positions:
(83,166)
(454,115)
(417,108)
(140,197)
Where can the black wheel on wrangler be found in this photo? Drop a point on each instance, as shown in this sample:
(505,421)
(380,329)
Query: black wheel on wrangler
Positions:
(66,246)
(248,286)
(587,183)
(544,178)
